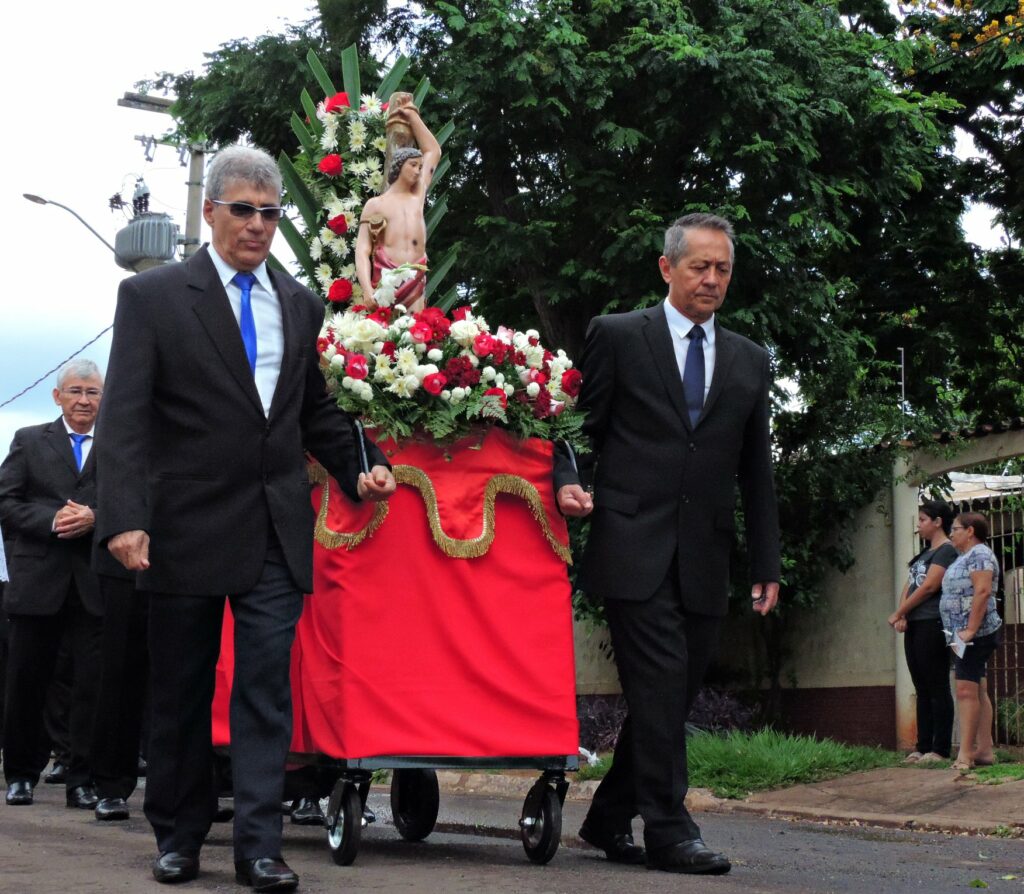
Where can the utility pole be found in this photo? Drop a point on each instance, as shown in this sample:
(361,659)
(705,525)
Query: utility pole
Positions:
(196,169)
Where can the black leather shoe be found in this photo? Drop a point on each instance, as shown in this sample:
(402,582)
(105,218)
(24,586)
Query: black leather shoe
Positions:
(617,848)
(82,796)
(19,794)
(307,812)
(111,809)
(691,856)
(266,874)
(58,775)
(173,867)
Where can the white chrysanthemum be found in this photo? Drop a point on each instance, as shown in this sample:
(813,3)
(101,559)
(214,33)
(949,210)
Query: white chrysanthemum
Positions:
(435,354)
(533,389)
(383,375)
(340,248)
(380,144)
(532,333)
(324,276)
(348,271)
(329,137)
(363,390)
(316,248)
(357,292)
(520,340)
(534,356)
(406,361)
(374,165)
(404,386)
(372,103)
(350,202)
(458,394)
(384,295)
(488,374)
(375,181)
(357,168)
(326,235)
(464,331)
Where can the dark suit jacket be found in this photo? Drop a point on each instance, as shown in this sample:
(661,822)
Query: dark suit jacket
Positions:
(662,486)
(38,477)
(187,453)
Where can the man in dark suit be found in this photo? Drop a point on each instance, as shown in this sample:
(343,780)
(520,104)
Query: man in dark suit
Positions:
(678,415)
(47,495)
(214,392)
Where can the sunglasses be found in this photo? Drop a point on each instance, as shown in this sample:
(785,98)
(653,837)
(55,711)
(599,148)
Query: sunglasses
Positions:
(244,210)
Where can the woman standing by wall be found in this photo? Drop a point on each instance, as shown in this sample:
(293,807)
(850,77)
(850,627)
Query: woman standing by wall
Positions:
(924,642)
(968,608)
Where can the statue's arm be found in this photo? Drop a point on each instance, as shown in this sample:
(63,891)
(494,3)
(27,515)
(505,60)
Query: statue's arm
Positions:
(427,144)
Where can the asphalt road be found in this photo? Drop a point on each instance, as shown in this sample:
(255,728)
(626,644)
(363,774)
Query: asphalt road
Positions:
(48,848)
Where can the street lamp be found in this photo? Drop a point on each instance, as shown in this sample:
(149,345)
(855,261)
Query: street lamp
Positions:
(39,200)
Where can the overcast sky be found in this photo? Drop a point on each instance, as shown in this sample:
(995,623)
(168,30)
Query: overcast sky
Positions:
(64,67)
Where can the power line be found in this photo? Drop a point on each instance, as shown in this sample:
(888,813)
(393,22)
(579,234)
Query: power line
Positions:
(46,375)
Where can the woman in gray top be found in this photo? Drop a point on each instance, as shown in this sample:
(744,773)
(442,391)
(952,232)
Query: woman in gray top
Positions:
(968,608)
(924,642)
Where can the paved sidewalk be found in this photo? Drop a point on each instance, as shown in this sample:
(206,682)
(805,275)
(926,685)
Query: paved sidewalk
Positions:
(901,797)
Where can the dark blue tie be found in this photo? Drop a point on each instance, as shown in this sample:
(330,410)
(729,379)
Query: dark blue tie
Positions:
(693,375)
(77,448)
(246,321)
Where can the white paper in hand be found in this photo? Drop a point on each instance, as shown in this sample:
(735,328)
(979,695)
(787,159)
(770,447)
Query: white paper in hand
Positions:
(958,645)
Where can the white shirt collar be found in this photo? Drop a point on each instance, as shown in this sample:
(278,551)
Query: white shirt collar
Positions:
(681,324)
(91,433)
(227,273)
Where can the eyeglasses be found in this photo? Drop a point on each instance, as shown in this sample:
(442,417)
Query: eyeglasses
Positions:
(91,393)
(244,210)
(957,528)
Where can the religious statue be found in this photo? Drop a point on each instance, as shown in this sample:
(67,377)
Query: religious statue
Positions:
(392,230)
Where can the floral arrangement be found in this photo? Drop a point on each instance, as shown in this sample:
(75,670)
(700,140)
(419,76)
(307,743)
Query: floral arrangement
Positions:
(405,373)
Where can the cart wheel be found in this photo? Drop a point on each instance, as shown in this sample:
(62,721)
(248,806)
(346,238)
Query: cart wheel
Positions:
(344,823)
(414,803)
(541,824)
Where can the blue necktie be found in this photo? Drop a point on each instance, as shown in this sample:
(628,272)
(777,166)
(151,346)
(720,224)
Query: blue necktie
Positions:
(77,448)
(247,322)
(693,375)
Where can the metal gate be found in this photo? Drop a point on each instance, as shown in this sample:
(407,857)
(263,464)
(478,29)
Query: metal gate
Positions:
(1001,499)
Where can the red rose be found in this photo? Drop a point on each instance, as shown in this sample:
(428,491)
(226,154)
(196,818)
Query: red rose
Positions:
(572,381)
(434,383)
(321,344)
(460,313)
(341,290)
(483,345)
(357,366)
(500,394)
(338,225)
(338,101)
(330,165)
(421,332)
(389,348)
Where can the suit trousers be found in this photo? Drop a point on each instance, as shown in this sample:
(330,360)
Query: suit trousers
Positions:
(662,652)
(124,673)
(184,643)
(34,645)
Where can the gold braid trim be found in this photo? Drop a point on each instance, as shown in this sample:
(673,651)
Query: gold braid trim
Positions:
(333,539)
(472,548)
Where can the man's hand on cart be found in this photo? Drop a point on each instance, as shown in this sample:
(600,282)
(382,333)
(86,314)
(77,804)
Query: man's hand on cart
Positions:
(377,484)
(574,501)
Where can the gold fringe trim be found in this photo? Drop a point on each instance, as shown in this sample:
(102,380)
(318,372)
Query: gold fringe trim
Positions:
(473,548)
(329,538)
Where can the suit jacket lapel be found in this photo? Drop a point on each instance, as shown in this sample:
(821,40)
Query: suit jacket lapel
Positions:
(725,353)
(659,339)
(290,325)
(58,439)
(215,314)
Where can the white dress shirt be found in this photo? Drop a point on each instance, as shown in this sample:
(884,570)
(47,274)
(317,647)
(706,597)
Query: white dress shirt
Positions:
(266,312)
(3,560)
(86,444)
(679,327)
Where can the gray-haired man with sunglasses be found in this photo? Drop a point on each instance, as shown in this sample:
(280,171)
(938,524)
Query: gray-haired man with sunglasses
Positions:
(214,393)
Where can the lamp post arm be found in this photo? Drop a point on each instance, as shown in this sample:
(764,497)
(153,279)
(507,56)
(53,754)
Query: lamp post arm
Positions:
(41,201)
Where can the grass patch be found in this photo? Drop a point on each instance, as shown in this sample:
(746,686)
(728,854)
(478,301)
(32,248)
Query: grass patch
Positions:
(736,764)
(999,773)
(596,771)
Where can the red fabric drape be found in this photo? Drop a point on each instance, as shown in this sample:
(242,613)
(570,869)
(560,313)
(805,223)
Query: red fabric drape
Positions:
(404,650)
